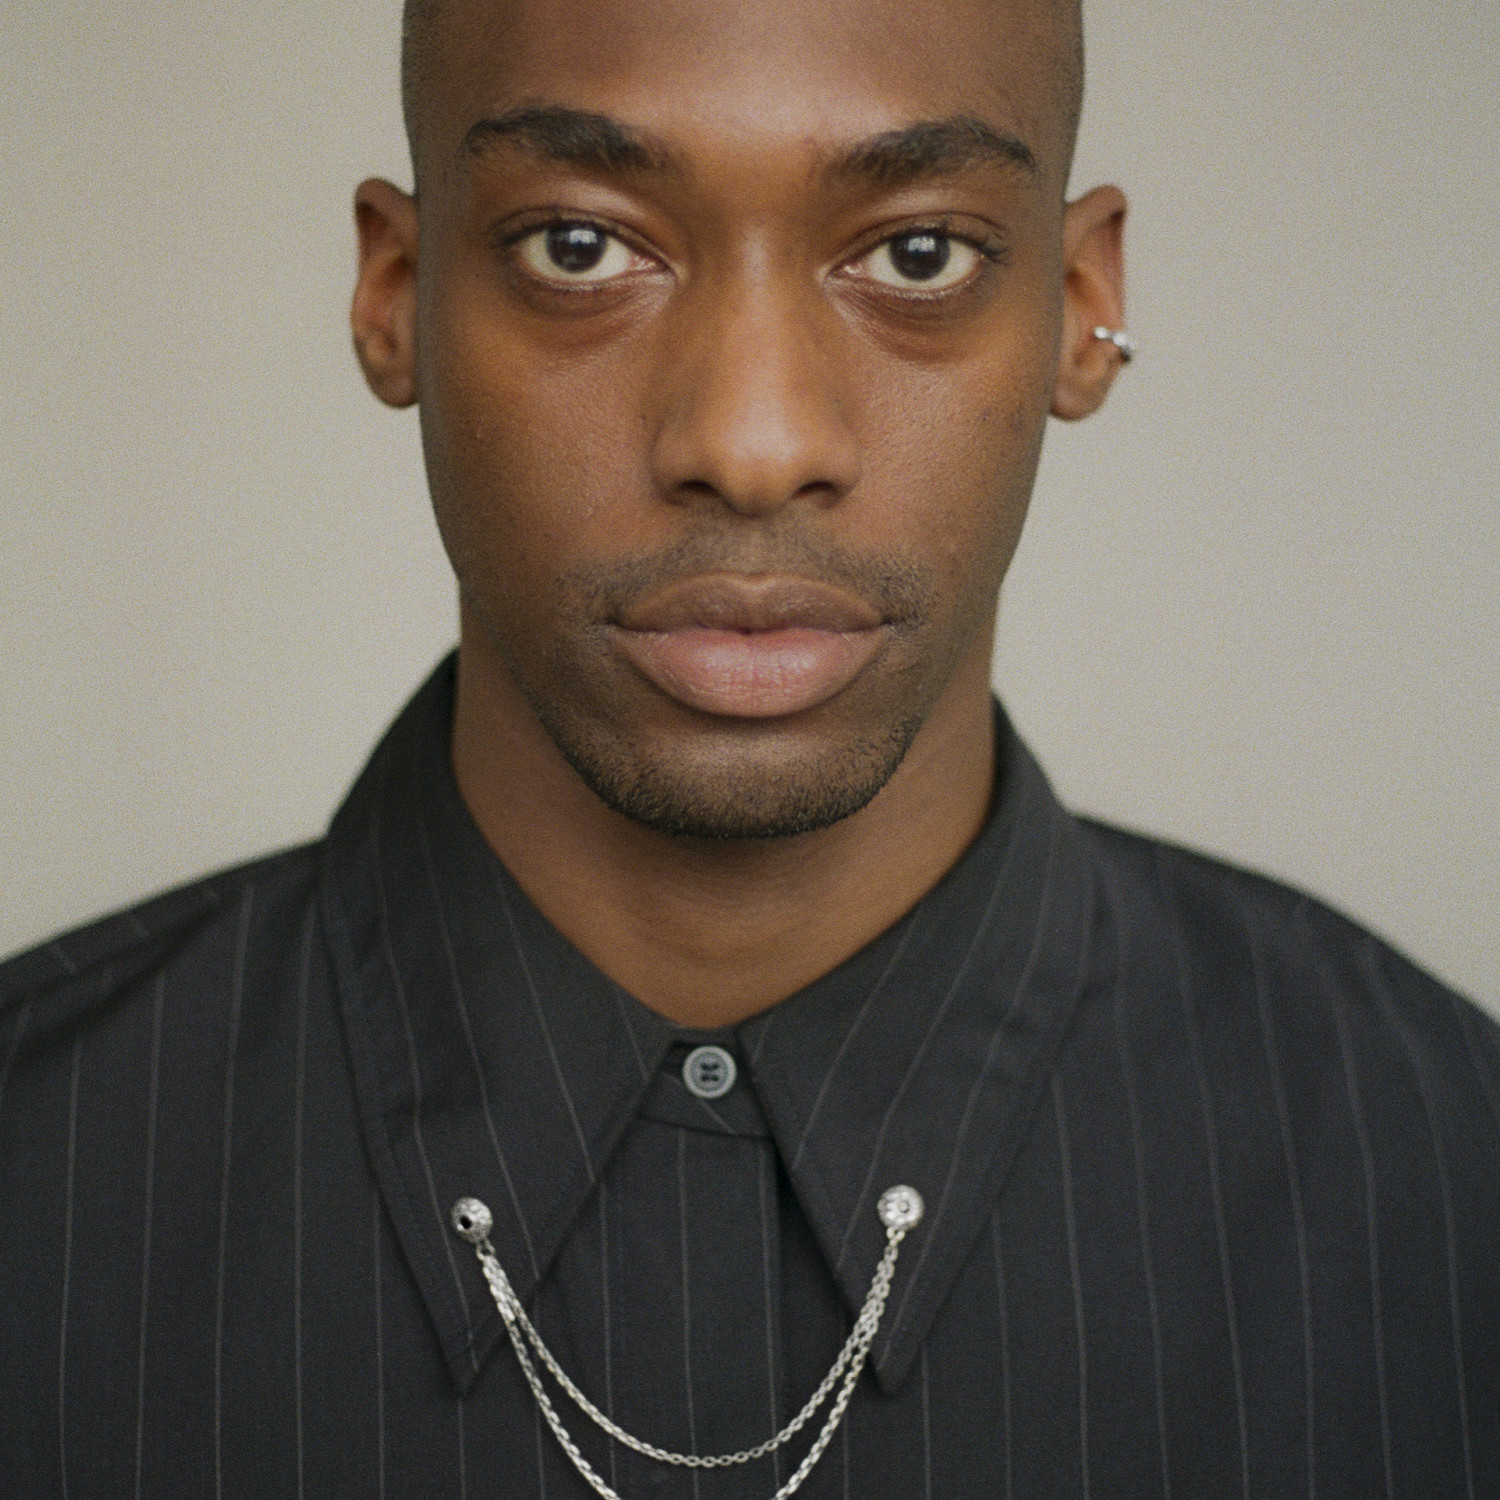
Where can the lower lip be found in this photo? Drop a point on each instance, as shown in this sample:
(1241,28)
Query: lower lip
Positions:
(763,674)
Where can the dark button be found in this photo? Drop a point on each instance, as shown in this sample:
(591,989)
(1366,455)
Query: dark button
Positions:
(709,1072)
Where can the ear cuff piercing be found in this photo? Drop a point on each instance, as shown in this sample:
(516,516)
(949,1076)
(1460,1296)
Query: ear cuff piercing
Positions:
(1120,339)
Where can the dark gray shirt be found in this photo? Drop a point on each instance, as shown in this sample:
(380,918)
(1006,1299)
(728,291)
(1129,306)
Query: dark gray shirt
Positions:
(1212,1183)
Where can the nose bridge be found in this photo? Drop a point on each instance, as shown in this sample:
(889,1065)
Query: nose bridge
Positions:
(757,412)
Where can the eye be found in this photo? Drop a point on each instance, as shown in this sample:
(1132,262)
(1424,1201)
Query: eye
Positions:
(920,259)
(576,252)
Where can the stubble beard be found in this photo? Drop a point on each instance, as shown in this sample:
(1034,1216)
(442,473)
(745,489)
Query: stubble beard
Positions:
(757,796)
(734,782)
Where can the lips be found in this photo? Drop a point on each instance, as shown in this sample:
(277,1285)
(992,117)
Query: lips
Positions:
(749,647)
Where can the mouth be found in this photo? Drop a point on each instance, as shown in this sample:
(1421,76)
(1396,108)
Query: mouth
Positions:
(746,647)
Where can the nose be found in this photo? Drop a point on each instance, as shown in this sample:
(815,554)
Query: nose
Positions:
(757,409)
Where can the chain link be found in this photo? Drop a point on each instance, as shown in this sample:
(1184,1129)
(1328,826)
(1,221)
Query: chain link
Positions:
(849,1364)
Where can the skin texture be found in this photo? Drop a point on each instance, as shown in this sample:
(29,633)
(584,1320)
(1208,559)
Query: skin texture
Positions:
(730,518)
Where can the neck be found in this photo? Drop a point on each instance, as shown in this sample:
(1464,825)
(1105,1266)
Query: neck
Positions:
(710,932)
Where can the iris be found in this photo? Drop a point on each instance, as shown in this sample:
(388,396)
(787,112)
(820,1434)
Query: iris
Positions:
(576,248)
(921,255)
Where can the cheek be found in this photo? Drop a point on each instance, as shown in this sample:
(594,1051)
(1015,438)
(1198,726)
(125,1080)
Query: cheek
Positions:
(1007,446)
(527,459)
(962,474)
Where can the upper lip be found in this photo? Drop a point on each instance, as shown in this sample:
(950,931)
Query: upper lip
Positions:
(749,602)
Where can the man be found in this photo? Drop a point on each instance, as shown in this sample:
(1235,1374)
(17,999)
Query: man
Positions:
(705,950)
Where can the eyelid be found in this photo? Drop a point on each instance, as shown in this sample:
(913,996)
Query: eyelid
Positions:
(989,246)
(509,235)
(985,242)
(988,241)
(533,251)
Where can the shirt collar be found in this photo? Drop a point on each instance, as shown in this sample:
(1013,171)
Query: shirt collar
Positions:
(491,1059)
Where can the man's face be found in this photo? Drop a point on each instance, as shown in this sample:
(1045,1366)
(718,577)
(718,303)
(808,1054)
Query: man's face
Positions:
(737,329)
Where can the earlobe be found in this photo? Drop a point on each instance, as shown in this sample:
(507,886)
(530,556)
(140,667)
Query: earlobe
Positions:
(383,315)
(1093,303)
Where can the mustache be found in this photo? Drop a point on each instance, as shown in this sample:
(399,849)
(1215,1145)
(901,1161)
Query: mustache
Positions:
(900,591)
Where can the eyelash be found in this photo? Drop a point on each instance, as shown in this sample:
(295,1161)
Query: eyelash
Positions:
(506,239)
(989,248)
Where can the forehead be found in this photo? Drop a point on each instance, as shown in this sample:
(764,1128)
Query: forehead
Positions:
(809,69)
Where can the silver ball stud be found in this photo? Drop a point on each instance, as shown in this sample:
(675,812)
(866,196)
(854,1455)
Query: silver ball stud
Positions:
(472,1220)
(900,1207)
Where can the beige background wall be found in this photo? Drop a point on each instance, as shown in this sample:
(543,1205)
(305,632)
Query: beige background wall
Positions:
(1258,608)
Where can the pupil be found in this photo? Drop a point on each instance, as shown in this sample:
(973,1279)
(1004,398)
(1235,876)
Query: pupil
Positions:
(921,256)
(575,247)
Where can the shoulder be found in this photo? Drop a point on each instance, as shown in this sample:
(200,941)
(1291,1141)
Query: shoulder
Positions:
(1237,939)
(203,927)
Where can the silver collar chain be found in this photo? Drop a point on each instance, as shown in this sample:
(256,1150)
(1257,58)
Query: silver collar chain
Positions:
(900,1210)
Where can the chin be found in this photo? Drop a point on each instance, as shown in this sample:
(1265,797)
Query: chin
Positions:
(758,787)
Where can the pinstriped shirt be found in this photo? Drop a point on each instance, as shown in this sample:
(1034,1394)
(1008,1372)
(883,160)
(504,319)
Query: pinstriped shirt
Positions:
(1212,1182)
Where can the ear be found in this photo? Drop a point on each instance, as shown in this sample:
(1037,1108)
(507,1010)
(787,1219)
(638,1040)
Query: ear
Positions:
(383,316)
(1093,297)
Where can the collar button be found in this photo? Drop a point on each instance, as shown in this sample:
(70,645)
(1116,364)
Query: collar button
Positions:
(709,1072)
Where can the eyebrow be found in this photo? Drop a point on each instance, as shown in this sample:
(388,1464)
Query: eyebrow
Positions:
(600,143)
(931,148)
(572,137)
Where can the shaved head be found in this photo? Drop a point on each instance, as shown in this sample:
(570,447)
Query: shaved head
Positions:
(422,45)
(419,20)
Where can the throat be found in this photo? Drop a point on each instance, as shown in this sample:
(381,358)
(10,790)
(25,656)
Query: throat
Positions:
(709,932)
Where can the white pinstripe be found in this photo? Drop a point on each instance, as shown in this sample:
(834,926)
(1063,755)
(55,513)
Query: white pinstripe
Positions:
(541,1018)
(864,1009)
(687,1303)
(1070,1221)
(623,1003)
(1294,1188)
(1004,1318)
(933,1234)
(157,1005)
(1138,1153)
(463,1462)
(608,1331)
(763,1169)
(1216,1192)
(844,1454)
(297,1128)
(1381,988)
(541,1454)
(926,1426)
(1467,1021)
(899,1095)
(414,1064)
(379,1342)
(67,1272)
(461,1005)
(1372,1240)
(237,995)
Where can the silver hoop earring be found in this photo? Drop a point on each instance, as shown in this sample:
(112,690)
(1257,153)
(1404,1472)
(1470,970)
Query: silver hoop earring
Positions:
(1120,339)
